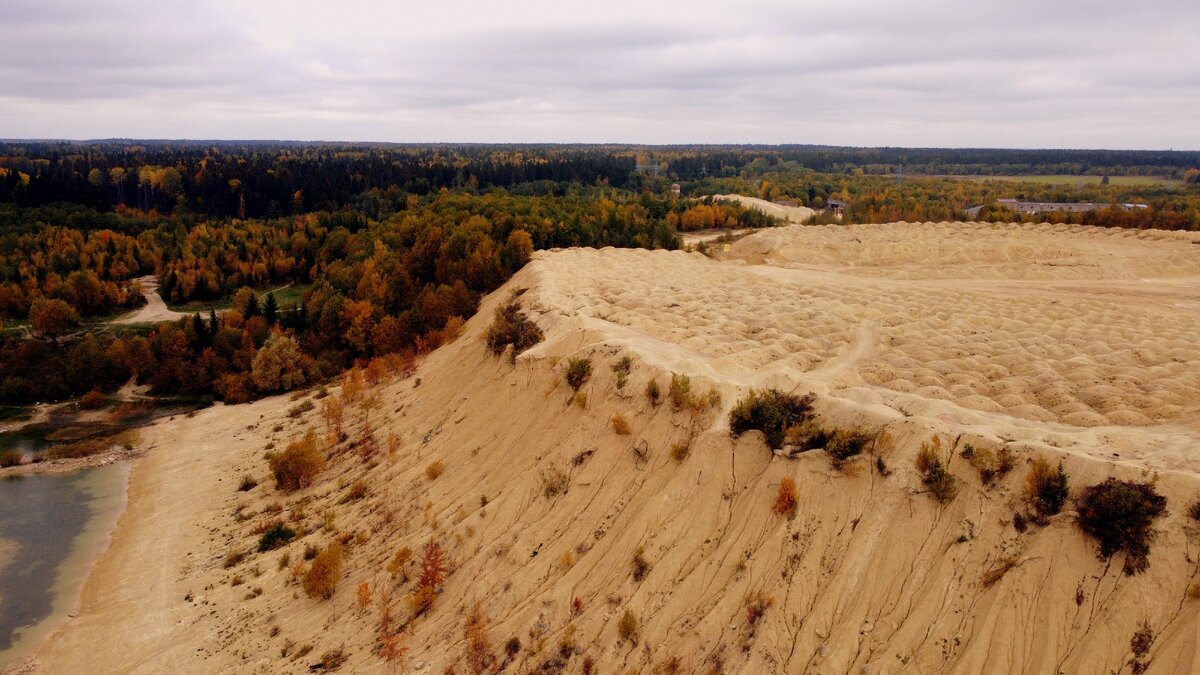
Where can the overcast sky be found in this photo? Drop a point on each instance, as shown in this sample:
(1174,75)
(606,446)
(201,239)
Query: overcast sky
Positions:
(998,73)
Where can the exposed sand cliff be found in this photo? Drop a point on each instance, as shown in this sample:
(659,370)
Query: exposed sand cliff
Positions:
(542,508)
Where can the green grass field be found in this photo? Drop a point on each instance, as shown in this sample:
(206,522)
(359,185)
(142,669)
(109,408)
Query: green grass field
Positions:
(1076,180)
(285,296)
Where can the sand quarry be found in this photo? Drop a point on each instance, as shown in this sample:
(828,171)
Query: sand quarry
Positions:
(1067,343)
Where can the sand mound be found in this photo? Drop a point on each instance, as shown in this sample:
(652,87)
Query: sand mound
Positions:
(556,525)
(792,214)
(978,251)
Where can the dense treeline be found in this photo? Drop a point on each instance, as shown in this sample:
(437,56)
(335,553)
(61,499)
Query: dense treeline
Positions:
(272,179)
(266,180)
(883,199)
(398,285)
(703,162)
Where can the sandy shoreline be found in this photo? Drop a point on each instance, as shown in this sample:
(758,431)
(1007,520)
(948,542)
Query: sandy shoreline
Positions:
(177,489)
(88,548)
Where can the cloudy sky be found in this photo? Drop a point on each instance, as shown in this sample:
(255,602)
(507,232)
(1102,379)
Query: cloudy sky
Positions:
(996,73)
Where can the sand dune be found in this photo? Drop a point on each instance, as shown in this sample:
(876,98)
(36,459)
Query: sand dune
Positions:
(792,214)
(542,508)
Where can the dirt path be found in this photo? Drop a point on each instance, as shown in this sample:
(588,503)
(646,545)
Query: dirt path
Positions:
(155,309)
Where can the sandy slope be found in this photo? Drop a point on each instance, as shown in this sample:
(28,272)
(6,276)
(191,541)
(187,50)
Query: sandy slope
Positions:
(870,576)
(792,214)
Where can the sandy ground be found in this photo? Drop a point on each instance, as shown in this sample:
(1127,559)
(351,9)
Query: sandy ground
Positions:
(154,310)
(792,214)
(543,509)
(690,239)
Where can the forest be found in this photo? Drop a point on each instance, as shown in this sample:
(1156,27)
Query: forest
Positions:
(388,248)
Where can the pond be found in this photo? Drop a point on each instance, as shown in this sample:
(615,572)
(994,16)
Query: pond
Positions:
(52,527)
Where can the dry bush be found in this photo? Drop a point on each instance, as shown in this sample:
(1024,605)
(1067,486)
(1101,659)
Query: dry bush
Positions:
(639,567)
(364,596)
(770,411)
(621,368)
(435,469)
(619,425)
(1120,515)
(276,535)
(333,411)
(330,661)
(994,575)
(1194,510)
(396,568)
(326,570)
(298,465)
(786,500)
(300,408)
(480,657)
(942,485)
(844,444)
(627,627)
(756,609)
(392,651)
(248,483)
(357,491)
(10,458)
(233,558)
(510,327)
(352,385)
(93,400)
(653,392)
(579,370)
(554,482)
(1046,489)
(433,574)
(1140,644)
(991,466)
(682,396)
(681,449)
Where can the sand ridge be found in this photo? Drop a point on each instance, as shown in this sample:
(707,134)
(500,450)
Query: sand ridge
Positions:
(870,576)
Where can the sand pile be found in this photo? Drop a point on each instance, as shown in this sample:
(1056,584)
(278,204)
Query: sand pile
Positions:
(564,532)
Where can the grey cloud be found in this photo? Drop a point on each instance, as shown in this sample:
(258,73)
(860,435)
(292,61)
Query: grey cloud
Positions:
(923,73)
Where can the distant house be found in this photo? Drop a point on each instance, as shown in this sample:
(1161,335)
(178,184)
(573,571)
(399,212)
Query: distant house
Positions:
(675,188)
(835,206)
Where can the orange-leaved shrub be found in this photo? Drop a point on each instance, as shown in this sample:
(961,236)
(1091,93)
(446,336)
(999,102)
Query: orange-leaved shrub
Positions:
(322,577)
(298,465)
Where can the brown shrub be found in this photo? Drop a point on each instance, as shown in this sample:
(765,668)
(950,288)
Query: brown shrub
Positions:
(640,567)
(1046,489)
(298,465)
(510,327)
(627,627)
(991,466)
(93,399)
(435,469)
(786,500)
(619,425)
(326,570)
(653,392)
(942,485)
(681,449)
(554,482)
(433,574)
(480,657)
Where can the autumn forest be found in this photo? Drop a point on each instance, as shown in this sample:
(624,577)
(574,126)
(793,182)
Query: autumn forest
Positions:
(288,263)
